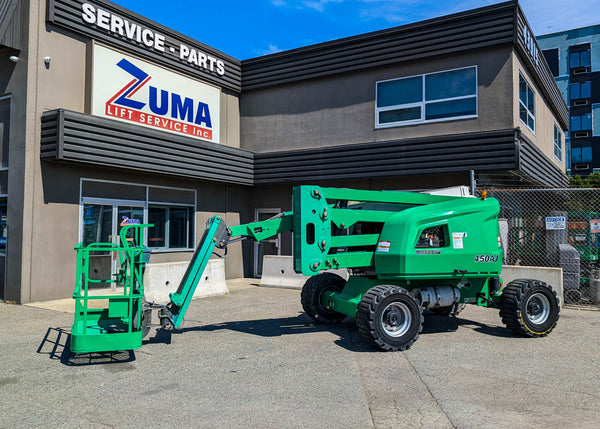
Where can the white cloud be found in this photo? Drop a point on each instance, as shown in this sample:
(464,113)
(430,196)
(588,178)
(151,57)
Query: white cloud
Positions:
(551,16)
(544,16)
(319,5)
(272,49)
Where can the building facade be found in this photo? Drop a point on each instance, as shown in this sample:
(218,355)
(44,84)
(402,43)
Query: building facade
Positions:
(574,59)
(109,117)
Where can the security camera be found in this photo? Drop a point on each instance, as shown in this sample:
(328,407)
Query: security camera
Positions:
(47,60)
(13,58)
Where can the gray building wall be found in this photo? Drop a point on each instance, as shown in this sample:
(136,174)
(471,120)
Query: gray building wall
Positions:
(43,201)
(341,109)
(14,82)
(56,222)
(274,115)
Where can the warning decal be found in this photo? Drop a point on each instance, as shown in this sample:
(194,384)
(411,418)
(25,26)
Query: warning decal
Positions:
(457,239)
(384,246)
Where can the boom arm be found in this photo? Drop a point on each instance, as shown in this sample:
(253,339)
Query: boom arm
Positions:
(316,247)
(216,235)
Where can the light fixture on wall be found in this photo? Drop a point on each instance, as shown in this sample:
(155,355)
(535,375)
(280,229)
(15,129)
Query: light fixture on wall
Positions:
(47,60)
(13,58)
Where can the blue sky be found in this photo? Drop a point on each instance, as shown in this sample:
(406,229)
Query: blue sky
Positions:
(247,29)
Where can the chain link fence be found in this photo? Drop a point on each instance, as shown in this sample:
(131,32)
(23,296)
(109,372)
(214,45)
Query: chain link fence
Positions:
(554,228)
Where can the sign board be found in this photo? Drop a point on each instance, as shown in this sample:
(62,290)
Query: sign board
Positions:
(135,91)
(531,45)
(556,222)
(595,226)
(116,26)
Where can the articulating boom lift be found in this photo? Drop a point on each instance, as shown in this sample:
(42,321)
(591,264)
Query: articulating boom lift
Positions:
(405,252)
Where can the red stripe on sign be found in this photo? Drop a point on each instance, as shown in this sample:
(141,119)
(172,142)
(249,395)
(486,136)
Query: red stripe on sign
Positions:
(157,121)
(138,88)
(118,94)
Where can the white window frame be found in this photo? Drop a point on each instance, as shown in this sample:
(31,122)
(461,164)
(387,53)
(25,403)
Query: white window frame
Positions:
(424,103)
(143,203)
(559,146)
(524,105)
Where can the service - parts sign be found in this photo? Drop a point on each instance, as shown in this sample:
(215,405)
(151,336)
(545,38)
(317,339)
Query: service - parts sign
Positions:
(132,90)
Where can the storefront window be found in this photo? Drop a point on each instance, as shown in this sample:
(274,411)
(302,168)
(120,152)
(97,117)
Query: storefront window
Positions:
(106,209)
(172,227)
(431,97)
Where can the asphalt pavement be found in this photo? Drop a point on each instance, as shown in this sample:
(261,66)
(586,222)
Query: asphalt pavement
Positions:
(253,359)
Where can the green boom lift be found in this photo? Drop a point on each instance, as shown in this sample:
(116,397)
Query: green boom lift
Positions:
(405,252)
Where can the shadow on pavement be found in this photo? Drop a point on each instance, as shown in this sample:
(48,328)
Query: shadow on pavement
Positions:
(57,345)
(435,324)
(349,337)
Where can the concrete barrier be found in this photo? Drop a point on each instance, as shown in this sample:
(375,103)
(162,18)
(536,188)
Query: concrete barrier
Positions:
(164,278)
(551,276)
(278,271)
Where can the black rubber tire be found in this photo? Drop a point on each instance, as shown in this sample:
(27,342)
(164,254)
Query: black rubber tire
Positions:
(146,321)
(374,307)
(311,297)
(451,310)
(524,300)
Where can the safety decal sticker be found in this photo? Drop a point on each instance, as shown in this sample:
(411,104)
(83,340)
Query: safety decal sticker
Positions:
(457,239)
(384,246)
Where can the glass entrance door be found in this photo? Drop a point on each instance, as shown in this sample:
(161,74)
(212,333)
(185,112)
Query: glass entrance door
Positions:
(102,222)
(265,247)
(98,228)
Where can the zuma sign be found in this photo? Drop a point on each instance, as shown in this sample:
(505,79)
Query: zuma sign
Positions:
(131,90)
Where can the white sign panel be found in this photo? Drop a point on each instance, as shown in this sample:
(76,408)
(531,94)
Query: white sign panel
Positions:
(131,90)
(556,222)
(457,240)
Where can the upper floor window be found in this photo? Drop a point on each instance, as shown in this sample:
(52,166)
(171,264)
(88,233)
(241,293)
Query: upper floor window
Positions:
(526,103)
(581,154)
(580,90)
(581,122)
(557,143)
(580,59)
(431,97)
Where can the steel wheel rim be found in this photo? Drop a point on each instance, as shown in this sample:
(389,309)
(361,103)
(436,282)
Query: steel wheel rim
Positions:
(537,308)
(396,319)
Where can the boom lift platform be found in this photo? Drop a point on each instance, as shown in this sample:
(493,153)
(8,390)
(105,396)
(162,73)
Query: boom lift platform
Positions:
(405,252)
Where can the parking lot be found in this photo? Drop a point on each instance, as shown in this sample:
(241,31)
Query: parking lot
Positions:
(253,359)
